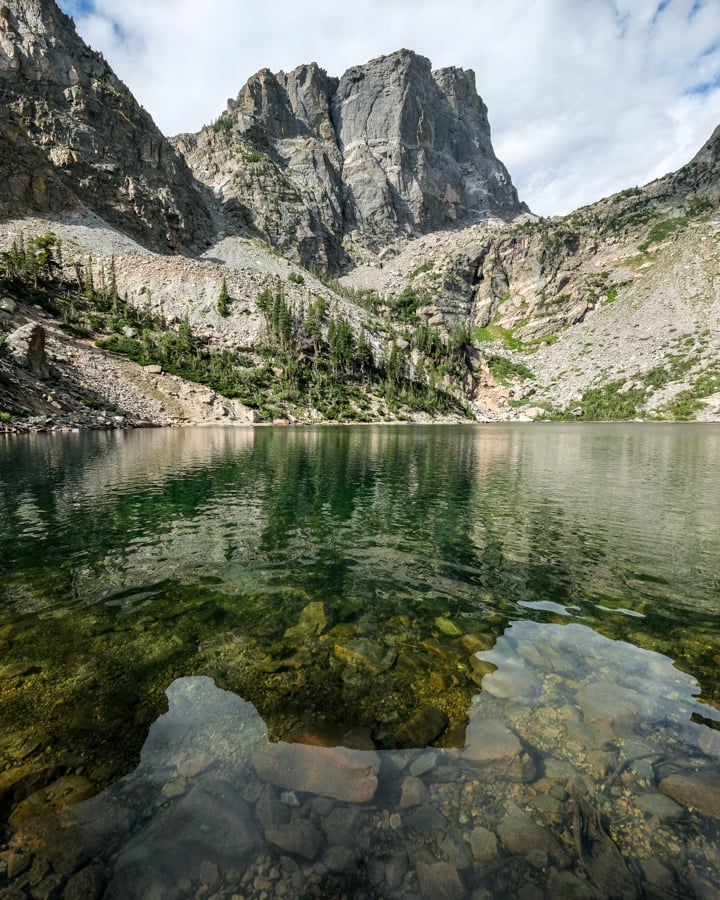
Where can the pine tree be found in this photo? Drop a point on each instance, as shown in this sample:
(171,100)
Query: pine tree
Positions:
(88,283)
(113,282)
(223,299)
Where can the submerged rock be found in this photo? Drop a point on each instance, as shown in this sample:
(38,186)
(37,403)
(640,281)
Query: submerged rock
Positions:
(366,654)
(312,621)
(699,791)
(210,822)
(490,742)
(483,844)
(439,881)
(520,834)
(348,775)
(422,729)
(612,706)
(299,838)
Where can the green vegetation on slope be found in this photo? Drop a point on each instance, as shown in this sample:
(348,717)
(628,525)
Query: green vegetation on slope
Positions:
(311,361)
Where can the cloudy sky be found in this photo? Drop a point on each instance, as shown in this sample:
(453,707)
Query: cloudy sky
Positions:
(585,97)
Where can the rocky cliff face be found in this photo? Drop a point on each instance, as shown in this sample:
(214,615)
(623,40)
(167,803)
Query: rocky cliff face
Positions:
(333,168)
(616,298)
(609,310)
(72,135)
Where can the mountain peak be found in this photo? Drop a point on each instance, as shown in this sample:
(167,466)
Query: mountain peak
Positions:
(389,150)
(78,138)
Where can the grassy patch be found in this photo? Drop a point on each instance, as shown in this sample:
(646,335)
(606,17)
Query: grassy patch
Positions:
(505,370)
(494,332)
(663,230)
(685,404)
(606,403)
(425,267)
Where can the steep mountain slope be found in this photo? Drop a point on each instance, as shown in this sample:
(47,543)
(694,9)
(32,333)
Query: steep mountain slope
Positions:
(335,168)
(620,297)
(447,307)
(72,135)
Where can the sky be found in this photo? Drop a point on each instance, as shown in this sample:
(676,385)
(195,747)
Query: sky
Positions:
(585,97)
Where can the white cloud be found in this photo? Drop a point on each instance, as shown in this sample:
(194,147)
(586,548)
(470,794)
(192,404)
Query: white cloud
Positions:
(584,98)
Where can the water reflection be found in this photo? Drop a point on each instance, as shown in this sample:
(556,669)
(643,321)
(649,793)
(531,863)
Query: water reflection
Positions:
(583,775)
(343,581)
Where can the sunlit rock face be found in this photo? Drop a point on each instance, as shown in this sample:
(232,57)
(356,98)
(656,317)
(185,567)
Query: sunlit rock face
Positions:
(329,168)
(75,137)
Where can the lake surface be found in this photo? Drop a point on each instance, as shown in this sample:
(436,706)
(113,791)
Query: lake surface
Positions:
(512,630)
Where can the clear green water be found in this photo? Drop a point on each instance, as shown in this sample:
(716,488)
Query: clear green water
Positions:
(341,579)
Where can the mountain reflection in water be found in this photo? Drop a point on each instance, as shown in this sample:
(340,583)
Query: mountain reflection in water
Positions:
(346,582)
(583,775)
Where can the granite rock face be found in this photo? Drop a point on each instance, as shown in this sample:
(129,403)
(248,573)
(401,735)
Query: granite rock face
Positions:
(72,136)
(416,147)
(331,168)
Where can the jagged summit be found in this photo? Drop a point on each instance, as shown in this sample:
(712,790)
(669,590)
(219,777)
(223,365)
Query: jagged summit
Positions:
(72,136)
(330,166)
(327,169)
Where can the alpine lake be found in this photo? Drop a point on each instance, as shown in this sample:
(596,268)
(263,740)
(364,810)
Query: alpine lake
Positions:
(396,662)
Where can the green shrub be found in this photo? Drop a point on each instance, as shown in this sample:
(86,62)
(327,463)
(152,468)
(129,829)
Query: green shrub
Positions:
(663,230)
(504,370)
(223,300)
(606,403)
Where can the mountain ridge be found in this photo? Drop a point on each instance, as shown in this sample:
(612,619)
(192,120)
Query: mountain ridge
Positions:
(220,245)
(330,167)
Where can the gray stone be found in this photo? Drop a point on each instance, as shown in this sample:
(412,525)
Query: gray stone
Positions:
(426,820)
(697,791)
(339,858)
(342,825)
(348,775)
(311,622)
(657,874)
(439,881)
(659,806)
(520,835)
(424,762)
(511,682)
(87,884)
(612,706)
(270,810)
(299,838)
(396,869)
(422,729)
(489,742)
(146,882)
(453,848)
(210,822)
(366,654)
(27,345)
(483,844)
(413,792)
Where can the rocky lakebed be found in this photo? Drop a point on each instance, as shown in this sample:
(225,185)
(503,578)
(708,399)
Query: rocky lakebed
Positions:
(588,770)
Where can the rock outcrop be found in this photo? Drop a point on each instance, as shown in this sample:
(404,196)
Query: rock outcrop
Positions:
(73,136)
(332,168)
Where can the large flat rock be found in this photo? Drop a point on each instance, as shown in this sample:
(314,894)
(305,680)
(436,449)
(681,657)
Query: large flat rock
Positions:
(699,791)
(347,775)
(489,742)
